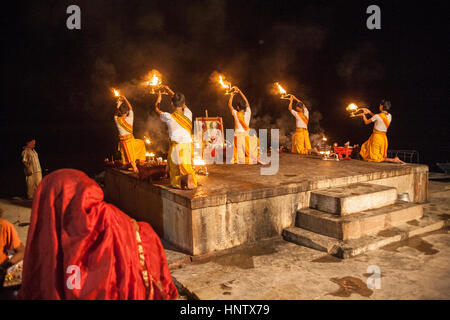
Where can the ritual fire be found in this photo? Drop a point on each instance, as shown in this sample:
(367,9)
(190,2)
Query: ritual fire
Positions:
(155,82)
(282,91)
(226,85)
(353,109)
(116,93)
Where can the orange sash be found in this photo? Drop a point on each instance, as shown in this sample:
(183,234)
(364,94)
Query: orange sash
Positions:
(385,119)
(303,117)
(183,121)
(240,117)
(124,124)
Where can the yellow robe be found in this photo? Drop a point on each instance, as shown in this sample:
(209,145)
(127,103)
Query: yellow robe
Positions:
(300,141)
(179,161)
(375,149)
(131,149)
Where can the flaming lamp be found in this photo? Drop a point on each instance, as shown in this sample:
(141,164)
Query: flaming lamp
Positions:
(155,84)
(226,85)
(354,110)
(283,93)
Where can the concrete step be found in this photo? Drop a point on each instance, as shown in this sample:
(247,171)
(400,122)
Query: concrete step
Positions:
(360,224)
(349,248)
(352,198)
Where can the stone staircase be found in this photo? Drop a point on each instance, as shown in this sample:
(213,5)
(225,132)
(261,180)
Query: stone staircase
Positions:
(350,220)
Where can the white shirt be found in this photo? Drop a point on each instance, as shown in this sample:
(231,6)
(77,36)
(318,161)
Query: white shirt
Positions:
(379,123)
(30,156)
(247,115)
(298,121)
(129,119)
(176,132)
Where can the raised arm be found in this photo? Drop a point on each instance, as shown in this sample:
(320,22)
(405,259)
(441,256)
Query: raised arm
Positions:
(230,102)
(247,105)
(291,101)
(366,121)
(170,91)
(157,103)
(127,102)
(366,110)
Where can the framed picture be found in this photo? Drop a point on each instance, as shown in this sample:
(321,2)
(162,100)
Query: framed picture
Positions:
(210,133)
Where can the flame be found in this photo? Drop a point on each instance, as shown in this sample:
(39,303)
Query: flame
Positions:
(149,154)
(223,84)
(116,93)
(282,91)
(324,138)
(147,140)
(155,78)
(352,107)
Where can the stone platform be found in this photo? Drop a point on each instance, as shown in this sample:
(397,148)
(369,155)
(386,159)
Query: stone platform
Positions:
(236,205)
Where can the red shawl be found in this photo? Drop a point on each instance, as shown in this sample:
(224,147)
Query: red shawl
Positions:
(72,228)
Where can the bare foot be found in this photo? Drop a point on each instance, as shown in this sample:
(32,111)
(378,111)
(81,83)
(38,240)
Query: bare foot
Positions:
(187,182)
(397,160)
(190,182)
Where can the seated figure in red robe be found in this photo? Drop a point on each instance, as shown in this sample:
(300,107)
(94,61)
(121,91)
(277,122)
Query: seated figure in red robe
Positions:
(80,247)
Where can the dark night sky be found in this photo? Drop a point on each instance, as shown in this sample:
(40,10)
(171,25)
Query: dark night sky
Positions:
(56,81)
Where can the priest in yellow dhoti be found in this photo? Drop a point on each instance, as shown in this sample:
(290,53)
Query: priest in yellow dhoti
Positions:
(375,149)
(245,145)
(131,149)
(181,151)
(300,139)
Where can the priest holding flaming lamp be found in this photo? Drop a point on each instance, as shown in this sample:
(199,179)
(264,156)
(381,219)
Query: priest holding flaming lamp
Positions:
(375,149)
(300,139)
(245,146)
(181,151)
(131,149)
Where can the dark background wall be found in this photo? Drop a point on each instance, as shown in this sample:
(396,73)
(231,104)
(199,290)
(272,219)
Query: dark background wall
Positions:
(56,82)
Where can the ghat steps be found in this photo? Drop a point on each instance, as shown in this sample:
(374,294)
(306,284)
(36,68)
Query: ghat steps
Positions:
(350,220)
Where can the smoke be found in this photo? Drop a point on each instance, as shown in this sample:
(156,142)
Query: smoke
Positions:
(360,67)
(121,41)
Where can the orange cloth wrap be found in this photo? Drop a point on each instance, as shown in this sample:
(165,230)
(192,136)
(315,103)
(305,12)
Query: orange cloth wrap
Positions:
(375,149)
(300,141)
(180,159)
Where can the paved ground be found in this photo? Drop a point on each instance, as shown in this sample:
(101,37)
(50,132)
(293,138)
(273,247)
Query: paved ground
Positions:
(418,268)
